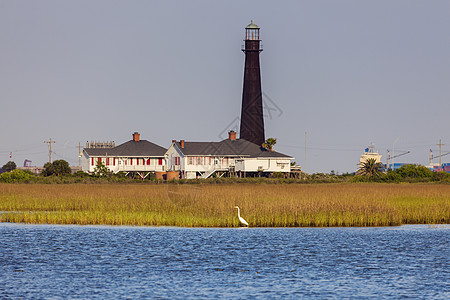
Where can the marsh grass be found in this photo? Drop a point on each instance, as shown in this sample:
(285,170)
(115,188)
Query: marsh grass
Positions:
(213,205)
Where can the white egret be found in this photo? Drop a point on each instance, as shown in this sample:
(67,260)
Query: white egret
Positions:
(241,219)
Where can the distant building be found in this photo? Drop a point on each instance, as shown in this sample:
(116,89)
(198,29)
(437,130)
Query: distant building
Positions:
(396,166)
(369,153)
(34,170)
(136,156)
(27,166)
(231,157)
(445,167)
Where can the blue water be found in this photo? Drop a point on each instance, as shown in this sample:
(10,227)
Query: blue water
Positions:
(70,262)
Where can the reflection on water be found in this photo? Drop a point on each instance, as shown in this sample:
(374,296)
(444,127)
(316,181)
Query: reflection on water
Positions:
(40,261)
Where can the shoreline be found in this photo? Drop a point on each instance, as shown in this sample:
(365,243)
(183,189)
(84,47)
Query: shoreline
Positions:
(429,226)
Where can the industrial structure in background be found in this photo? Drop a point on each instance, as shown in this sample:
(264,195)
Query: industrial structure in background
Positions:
(27,166)
(437,167)
(391,165)
(368,154)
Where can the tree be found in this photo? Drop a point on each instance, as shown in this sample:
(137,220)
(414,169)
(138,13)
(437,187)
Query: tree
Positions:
(414,171)
(16,176)
(101,169)
(268,145)
(48,169)
(58,168)
(61,167)
(371,168)
(9,166)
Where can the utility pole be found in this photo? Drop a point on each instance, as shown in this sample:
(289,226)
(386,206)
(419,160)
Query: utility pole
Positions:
(79,154)
(387,159)
(304,168)
(440,152)
(49,142)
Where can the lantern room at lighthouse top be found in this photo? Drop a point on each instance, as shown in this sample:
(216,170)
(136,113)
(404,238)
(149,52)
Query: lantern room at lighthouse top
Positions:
(252,32)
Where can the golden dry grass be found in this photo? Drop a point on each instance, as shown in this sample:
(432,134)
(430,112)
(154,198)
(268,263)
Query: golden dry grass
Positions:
(213,205)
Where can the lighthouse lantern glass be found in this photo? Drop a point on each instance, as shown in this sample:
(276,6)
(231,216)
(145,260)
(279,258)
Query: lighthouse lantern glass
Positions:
(252,34)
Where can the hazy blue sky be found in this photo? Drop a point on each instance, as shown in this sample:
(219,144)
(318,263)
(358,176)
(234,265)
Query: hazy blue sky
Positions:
(346,72)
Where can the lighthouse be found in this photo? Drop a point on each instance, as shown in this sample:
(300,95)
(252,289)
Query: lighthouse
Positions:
(252,120)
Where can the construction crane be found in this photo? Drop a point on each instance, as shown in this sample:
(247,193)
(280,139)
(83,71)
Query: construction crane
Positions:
(438,156)
(27,163)
(388,157)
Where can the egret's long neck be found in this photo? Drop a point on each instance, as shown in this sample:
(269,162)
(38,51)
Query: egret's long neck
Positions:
(239,213)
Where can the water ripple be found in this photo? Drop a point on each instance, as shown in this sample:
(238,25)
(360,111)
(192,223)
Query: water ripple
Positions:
(39,261)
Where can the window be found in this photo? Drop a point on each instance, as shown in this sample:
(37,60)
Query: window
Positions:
(148,162)
(107,161)
(190,161)
(199,160)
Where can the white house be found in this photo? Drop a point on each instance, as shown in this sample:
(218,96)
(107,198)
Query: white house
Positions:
(136,156)
(237,156)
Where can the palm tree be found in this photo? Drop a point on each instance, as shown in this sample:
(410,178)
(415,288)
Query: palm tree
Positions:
(370,168)
(268,145)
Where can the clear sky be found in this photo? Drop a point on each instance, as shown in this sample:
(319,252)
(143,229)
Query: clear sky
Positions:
(348,73)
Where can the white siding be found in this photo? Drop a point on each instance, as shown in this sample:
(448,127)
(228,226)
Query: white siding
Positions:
(264,165)
(191,175)
(172,155)
(192,165)
(85,162)
(124,164)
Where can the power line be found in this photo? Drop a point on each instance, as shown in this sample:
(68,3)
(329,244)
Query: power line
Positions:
(319,148)
(60,156)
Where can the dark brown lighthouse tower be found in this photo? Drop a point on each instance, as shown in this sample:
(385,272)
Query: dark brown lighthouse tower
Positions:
(252,120)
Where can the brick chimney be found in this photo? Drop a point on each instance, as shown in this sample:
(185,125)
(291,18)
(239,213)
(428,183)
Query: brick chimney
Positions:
(136,137)
(232,135)
(182,143)
(174,141)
